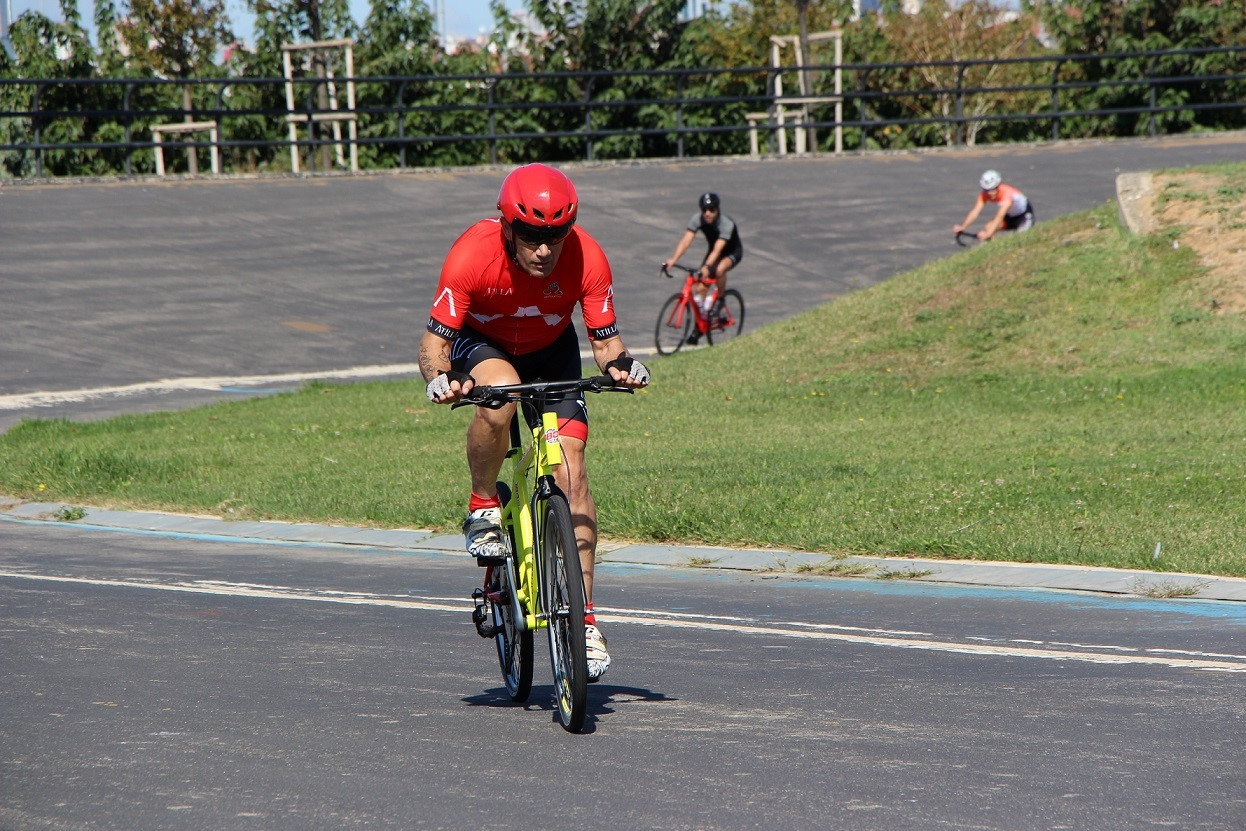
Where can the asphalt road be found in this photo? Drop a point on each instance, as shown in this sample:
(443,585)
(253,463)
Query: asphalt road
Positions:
(160,682)
(113,284)
(156,682)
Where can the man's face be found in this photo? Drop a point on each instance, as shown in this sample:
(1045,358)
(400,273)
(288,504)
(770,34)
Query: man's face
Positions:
(537,259)
(709,215)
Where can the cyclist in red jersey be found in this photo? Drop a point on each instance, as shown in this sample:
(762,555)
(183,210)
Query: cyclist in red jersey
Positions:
(1016,213)
(502,315)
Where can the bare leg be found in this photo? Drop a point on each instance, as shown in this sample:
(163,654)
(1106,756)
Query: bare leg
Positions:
(572,477)
(488,435)
(720,272)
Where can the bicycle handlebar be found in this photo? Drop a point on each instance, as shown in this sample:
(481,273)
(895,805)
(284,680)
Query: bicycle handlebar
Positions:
(680,266)
(972,236)
(495,397)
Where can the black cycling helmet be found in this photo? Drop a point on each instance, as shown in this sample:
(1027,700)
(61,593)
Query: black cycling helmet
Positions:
(708,201)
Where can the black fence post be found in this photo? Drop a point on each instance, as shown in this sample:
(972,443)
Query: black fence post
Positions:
(1055,102)
(862,80)
(493,133)
(679,115)
(129,126)
(38,131)
(401,112)
(588,119)
(958,133)
(1151,116)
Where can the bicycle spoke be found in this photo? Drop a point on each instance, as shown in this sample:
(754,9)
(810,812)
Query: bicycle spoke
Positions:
(675,323)
(514,645)
(731,323)
(563,590)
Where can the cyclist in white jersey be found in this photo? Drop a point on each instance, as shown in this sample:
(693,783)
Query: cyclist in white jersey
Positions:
(1016,213)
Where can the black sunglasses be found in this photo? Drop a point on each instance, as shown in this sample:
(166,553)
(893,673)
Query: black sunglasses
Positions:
(538,235)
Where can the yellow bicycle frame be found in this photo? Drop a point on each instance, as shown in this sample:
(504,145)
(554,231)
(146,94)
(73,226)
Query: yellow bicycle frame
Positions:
(528,468)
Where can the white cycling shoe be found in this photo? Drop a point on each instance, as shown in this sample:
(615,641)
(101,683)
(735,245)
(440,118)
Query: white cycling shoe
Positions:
(595,647)
(483,531)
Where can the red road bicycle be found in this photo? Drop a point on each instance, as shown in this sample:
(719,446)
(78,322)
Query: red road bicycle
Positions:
(682,322)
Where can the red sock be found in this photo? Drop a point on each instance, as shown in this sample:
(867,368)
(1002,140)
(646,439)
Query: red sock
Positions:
(477,502)
(590,619)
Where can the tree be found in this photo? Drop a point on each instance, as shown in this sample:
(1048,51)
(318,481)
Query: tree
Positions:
(399,38)
(282,22)
(50,51)
(176,39)
(941,55)
(294,21)
(111,60)
(595,36)
(1107,26)
(750,25)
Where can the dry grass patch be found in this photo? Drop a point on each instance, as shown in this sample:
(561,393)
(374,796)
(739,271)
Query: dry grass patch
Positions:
(1207,210)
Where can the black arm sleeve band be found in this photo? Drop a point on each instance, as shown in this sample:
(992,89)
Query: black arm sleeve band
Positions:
(442,330)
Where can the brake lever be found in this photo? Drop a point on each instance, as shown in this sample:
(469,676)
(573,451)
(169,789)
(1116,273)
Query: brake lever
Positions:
(482,397)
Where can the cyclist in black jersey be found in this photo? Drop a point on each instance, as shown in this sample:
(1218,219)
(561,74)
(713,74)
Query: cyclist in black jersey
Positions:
(725,249)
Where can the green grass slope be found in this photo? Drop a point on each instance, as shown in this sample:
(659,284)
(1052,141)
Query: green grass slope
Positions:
(1067,395)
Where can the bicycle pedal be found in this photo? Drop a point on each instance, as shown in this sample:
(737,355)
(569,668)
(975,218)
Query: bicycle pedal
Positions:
(481,615)
(485,629)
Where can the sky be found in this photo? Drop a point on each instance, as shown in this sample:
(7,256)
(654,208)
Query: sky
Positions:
(464,18)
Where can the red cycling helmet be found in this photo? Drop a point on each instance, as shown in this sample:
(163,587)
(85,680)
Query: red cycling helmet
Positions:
(539,203)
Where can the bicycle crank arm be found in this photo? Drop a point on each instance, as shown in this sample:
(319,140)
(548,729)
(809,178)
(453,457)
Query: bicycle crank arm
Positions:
(481,616)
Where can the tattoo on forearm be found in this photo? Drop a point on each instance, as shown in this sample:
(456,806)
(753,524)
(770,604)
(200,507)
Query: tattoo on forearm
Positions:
(431,364)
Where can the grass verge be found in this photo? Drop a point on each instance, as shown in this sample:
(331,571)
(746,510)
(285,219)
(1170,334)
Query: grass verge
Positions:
(1069,395)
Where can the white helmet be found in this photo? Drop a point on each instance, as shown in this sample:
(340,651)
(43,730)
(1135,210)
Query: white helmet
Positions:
(990,179)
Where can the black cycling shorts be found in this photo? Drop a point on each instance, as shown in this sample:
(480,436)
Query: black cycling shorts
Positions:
(734,254)
(560,361)
(1020,222)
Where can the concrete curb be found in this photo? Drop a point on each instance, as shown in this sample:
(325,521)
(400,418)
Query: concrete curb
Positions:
(1133,202)
(963,572)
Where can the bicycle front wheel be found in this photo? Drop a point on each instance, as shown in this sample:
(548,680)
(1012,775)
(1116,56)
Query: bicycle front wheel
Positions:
(675,324)
(731,322)
(562,584)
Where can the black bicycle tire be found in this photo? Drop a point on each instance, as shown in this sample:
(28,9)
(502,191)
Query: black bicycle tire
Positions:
(514,646)
(562,582)
(731,298)
(681,333)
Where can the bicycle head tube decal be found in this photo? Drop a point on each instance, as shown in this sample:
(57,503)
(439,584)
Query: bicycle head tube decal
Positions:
(553,442)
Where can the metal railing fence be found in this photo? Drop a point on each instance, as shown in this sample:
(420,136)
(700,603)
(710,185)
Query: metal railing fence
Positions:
(64,127)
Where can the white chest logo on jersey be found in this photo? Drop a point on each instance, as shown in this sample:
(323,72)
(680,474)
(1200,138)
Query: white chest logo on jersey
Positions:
(533,311)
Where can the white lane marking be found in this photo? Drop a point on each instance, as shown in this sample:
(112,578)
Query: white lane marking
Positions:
(456,605)
(21,401)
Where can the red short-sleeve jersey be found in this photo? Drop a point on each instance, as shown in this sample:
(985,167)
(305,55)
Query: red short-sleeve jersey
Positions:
(1004,194)
(483,288)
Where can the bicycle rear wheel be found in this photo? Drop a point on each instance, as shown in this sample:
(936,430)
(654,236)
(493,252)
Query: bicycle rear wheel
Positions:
(514,644)
(721,330)
(562,584)
(675,324)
